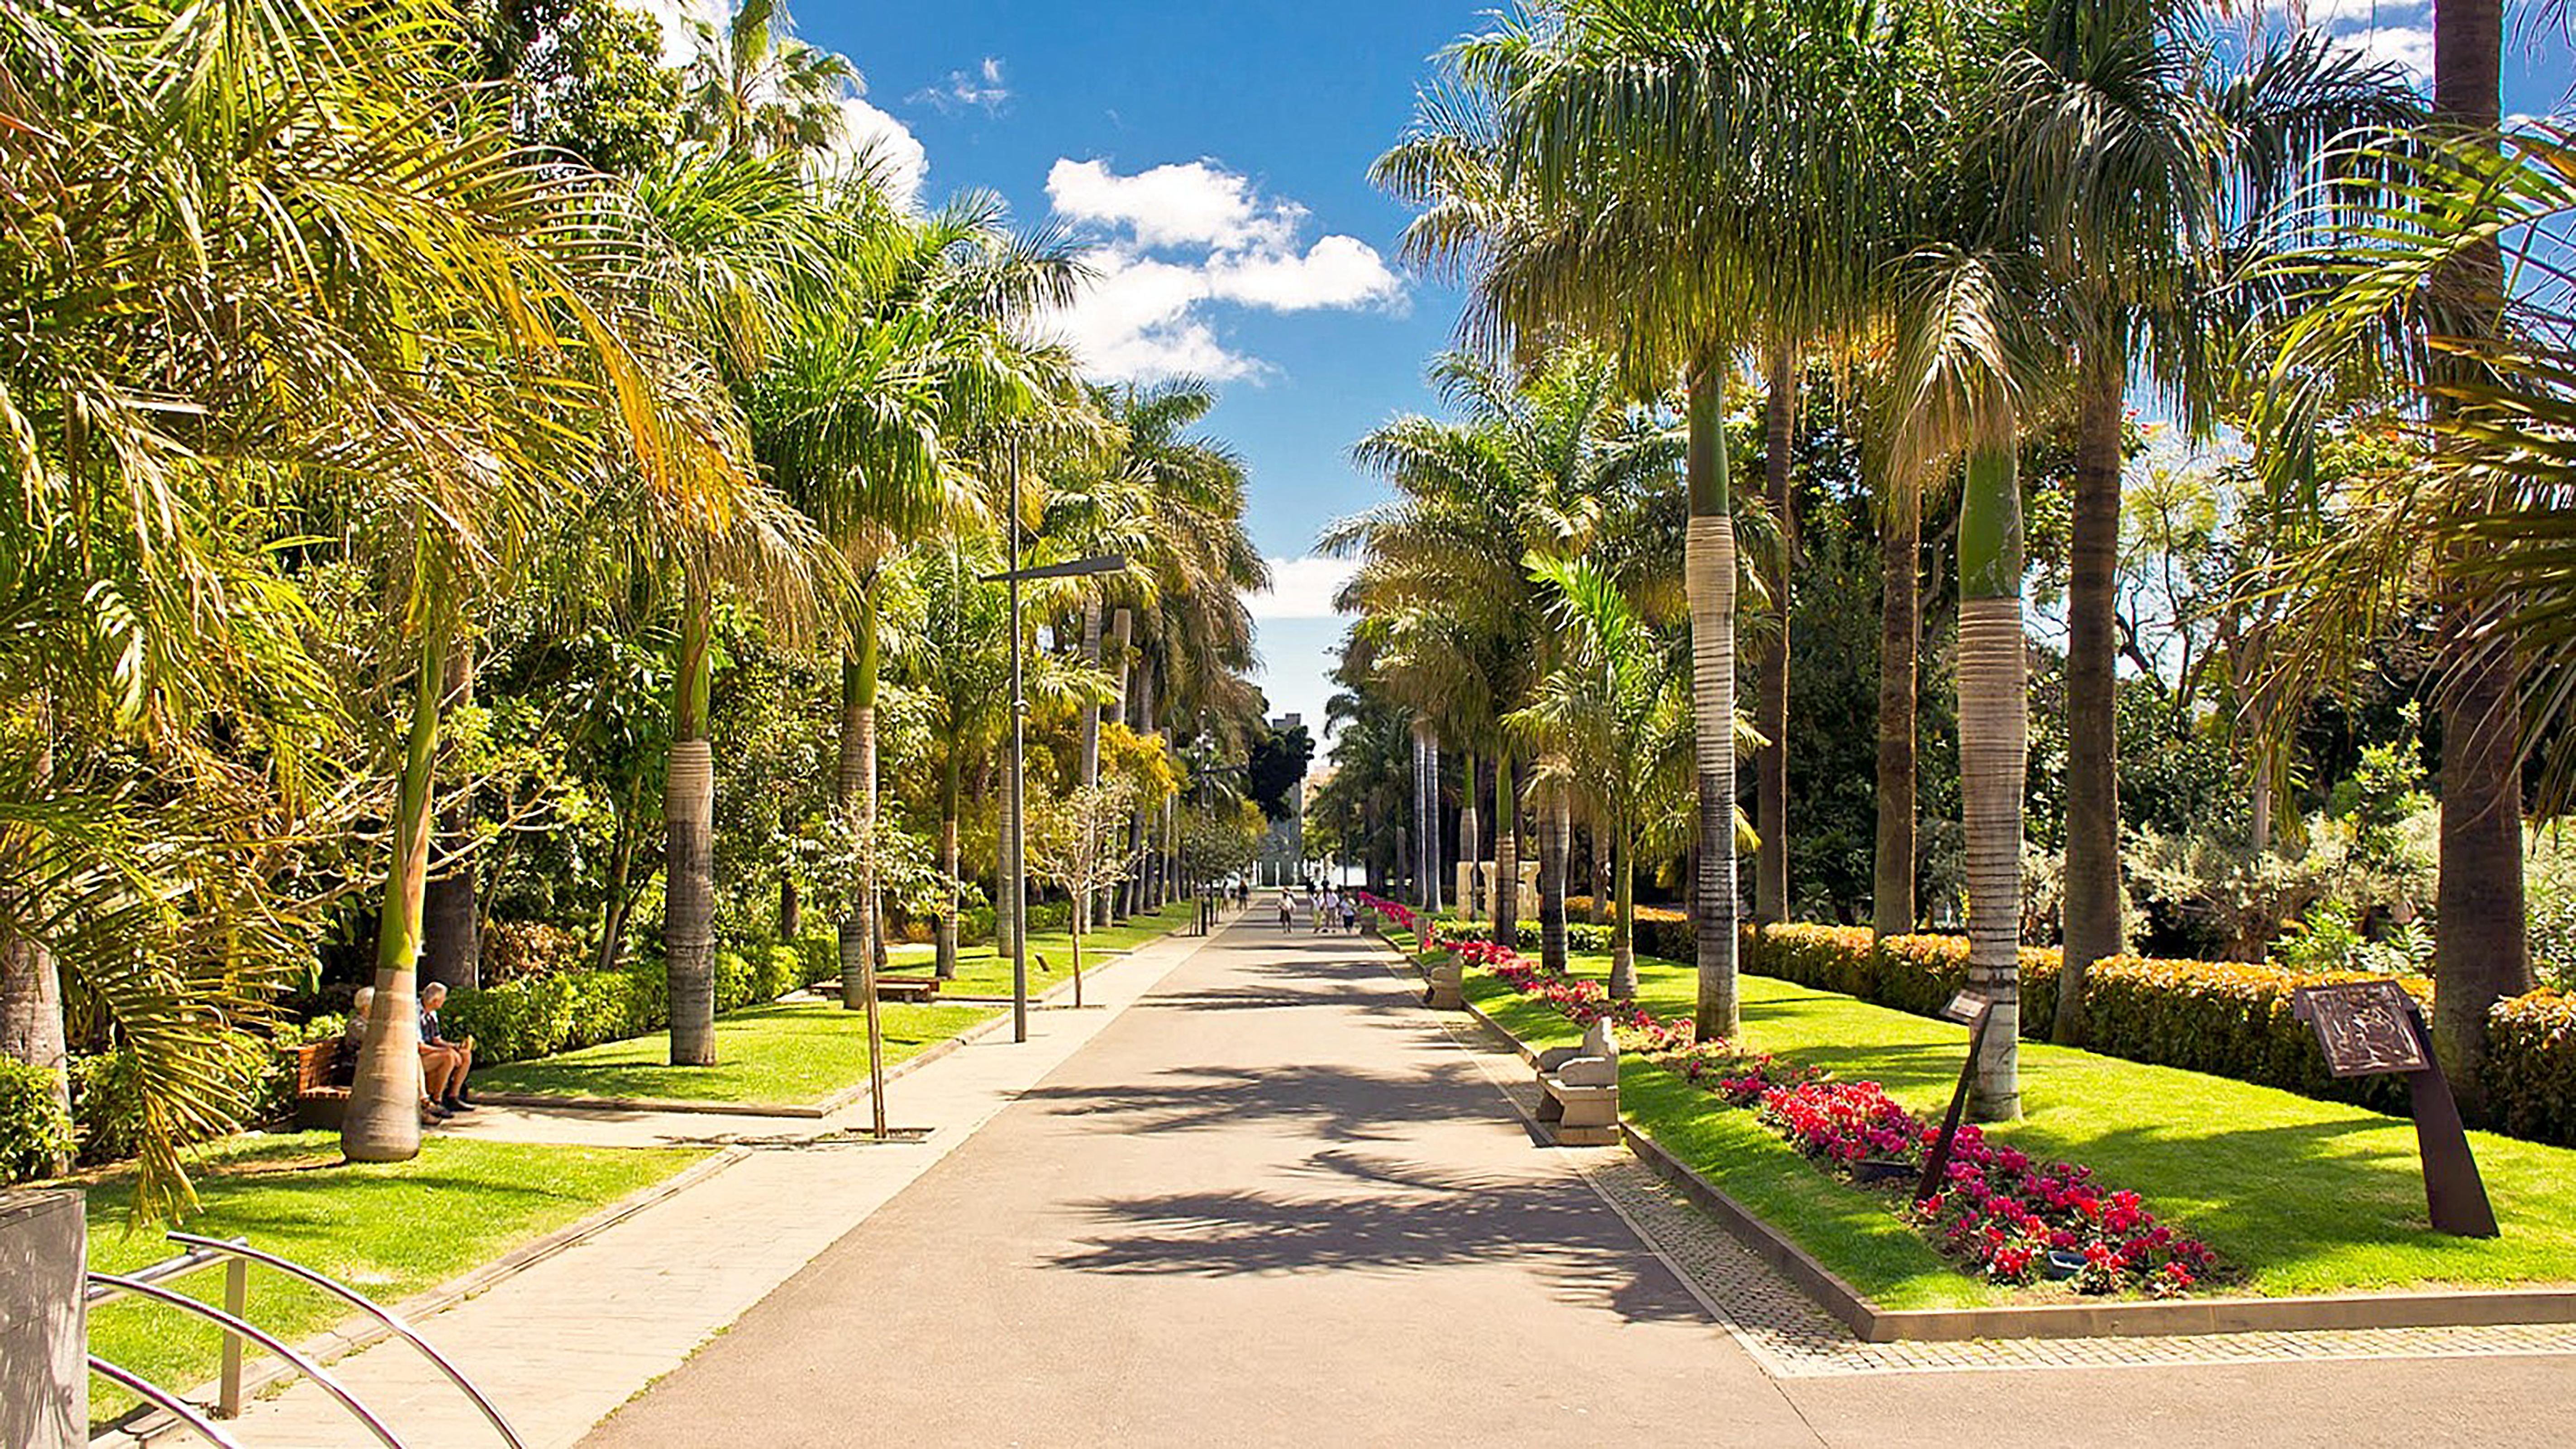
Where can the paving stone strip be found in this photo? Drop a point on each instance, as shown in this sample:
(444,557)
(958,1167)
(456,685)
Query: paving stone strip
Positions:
(1791,1337)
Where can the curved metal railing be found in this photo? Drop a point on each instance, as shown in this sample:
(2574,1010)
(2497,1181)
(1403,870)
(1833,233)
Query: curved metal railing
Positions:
(152,1393)
(230,1324)
(366,1305)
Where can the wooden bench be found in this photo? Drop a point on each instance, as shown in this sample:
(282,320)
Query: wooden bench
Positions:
(319,1101)
(1579,1090)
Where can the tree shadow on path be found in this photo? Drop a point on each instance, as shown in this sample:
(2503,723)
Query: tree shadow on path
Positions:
(1391,1217)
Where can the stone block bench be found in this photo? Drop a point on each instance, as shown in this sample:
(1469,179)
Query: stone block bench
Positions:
(1448,983)
(1579,1090)
(889,988)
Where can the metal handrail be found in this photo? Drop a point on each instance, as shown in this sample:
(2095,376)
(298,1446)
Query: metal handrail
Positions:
(168,1268)
(264,1339)
(238,1248)
(153,1393)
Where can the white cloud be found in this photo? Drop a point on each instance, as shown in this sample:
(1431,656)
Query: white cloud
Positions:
(980,89)
(679,33)
(888,145)
(2408,47)
(1302,588)
(2396,31)
(1220,241)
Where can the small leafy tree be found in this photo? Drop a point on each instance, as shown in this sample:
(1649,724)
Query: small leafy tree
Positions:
(1078,844)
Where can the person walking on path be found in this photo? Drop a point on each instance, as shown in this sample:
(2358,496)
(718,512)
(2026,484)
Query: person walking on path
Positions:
(1287,909)
(1324,911)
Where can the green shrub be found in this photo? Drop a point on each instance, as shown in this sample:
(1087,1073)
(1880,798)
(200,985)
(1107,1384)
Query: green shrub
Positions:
(538,1016)
(2531,1065)
(107,1095)
(35,1131)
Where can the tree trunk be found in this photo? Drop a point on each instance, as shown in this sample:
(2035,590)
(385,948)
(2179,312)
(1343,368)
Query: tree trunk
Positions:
(2480,952)
(2092,919)
(1435,889)
(1623,920)
(944,934)
(791,912)
(1471,846)
(1771,769)
(1085,901)
(856,799)
(688,869)
(1708,574)
(1602,906)
(1993,750)
(381,1122)
(1900,627)
(1507,853)
(1555,830)
(31,987)
(452,935)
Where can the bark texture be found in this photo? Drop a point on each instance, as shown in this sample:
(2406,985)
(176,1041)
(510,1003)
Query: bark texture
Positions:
(1708,571)
(1771,710)
(451,926)
(1993,749)
(688,930)
(1900,627)
(2092,920)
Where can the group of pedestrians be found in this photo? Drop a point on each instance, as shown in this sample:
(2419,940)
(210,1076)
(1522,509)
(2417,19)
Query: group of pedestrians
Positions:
(1325,904)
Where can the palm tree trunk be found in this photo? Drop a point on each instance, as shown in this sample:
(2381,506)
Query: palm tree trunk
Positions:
(382,1120)
(1900,629)
(2092,922)
(1708,573)
(1993,747)
(1771,711)
(1471,846)
(688,822)
(1623,919)
(1084,901)
(2480,952)
(857,801)
(452,937)
(944,934)
(31,987)
(1555,832)
(1507,852)
(1435,890)
(1603,908)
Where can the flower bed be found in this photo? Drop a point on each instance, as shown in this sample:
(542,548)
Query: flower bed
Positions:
(1999,1215)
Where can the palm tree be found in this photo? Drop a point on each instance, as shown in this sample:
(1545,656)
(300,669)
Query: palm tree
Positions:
(753,86)
(1531,468)
(1673,180)
(2123,144)
(1615,716)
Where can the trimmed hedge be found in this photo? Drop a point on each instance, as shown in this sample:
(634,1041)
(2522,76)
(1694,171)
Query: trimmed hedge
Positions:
(538,1016)
(2531,1065)
(2227,1018)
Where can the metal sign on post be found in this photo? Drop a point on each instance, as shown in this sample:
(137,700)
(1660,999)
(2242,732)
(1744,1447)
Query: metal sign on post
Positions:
(1975,1012)
(2370,1027)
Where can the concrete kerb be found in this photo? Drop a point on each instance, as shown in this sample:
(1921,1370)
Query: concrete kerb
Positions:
(1872,1323)
(359,1331)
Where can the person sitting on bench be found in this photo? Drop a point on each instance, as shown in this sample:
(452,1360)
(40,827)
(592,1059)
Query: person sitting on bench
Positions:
(435,1066)
(457,1057)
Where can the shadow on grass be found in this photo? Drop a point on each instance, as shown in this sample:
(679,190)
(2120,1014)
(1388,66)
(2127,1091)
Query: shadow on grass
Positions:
(1379,1215)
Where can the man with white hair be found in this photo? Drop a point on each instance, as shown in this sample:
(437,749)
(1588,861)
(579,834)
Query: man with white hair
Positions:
(443,1061)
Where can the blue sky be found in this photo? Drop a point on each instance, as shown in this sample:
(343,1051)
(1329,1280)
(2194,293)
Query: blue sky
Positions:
(1216,155)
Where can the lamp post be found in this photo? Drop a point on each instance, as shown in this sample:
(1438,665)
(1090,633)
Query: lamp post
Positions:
(1015,867)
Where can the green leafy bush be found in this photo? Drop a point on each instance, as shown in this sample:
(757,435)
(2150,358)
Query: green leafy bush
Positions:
(108,1103)
(2531,1065)
(35,1131)
(2227,1018)
(538,1016)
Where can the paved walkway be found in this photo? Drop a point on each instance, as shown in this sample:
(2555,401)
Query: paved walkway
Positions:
(1262,1197)
(566,1341)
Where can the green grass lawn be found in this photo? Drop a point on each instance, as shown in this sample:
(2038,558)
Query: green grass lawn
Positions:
(787,1053)
(388,1230)
(2303,1196)
(982,973)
